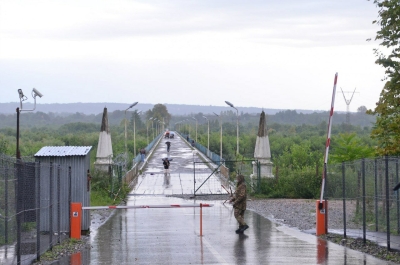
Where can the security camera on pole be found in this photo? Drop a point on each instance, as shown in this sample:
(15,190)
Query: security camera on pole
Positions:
(22,98)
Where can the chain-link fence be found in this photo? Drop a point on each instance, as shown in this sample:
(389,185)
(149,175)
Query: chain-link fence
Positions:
(366,189)
(34,208)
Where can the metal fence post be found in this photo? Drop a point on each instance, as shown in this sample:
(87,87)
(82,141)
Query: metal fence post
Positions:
(387,201)
(69,195)
(344,200)
(259,176)
(194,178)
(58,204)
(6,206)
(120,175)
(376,194)
(397,197)
(363,201)
(19,209)
(51,207)
(37,172)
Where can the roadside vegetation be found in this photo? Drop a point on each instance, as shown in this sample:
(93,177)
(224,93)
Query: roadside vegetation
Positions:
(296,150)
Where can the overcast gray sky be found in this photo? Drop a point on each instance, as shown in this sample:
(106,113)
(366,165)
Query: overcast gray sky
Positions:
(266,53)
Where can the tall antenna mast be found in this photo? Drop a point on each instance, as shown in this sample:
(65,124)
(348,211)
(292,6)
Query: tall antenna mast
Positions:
(348,101)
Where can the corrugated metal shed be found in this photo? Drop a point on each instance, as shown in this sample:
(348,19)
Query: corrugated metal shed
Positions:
(63,151)
(55,162)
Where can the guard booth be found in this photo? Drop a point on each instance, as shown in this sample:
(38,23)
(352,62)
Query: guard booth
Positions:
(66,169)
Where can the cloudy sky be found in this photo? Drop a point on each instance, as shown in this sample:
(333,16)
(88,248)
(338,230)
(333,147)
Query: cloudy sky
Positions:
(254,53)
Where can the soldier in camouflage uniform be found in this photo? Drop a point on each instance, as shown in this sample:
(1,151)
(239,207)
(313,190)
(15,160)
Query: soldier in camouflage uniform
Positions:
(239,203)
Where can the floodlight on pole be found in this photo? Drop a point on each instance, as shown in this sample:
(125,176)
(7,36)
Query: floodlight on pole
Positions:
(147,127)
(196,127)
(131,106)
(208,134)
(220,140)
(237,125)
(134,133)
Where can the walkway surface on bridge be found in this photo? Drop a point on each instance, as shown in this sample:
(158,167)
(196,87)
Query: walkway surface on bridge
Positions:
(184,175)
(172,235)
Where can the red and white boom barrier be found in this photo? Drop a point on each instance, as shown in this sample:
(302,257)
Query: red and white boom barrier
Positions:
(148,206)
(76,213)
(322,205)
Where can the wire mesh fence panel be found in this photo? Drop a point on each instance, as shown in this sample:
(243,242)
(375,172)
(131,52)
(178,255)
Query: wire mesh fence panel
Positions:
(34,208)
(7,204)
(366,189)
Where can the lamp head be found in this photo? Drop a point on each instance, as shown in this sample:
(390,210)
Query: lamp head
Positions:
(230,104)
(134,104)
(216,114)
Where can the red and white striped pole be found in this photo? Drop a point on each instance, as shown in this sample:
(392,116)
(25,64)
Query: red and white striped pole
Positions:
(322,226)
(328,139)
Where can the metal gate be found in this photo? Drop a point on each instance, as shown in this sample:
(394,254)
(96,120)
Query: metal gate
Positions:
(221,180)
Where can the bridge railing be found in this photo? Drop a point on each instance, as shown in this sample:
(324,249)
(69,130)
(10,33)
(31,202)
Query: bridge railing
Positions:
(216,159)
(137,164)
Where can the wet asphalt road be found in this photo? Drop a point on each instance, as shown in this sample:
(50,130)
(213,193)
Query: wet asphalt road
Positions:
(172,235)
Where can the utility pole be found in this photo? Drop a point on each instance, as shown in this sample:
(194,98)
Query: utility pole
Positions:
(348,101)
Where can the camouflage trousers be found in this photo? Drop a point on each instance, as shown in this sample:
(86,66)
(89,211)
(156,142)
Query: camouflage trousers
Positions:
(239,215)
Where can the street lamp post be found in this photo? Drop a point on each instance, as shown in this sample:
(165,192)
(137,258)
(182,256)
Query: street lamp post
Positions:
(134,133)
(208,135)
(237,126)
(189,127)
(152,126)
(131,106)
(220,139)
(157,125)
(147,126)
(196,127)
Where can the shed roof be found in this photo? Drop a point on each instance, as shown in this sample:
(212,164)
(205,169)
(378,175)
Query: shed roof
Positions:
(63,151)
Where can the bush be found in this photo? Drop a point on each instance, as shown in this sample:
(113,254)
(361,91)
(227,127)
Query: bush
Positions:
(107,190)
(298,184)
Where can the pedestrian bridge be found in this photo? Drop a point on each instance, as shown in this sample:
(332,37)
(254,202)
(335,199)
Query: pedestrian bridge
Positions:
(190,172)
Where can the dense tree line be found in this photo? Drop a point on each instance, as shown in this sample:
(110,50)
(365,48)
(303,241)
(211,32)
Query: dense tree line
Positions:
(296,149)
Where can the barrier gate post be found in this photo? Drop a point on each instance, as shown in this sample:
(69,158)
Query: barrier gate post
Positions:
(322,218)
(75,220)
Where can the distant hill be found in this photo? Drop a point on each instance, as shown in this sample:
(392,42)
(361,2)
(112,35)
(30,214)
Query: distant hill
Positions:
(97,108)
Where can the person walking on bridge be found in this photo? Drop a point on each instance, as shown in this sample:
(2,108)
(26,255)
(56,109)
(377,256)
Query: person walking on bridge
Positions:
(239,203)
(142,154)
(168,143)
(166,165)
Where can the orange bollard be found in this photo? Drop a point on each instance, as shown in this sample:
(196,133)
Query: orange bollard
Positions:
(75,220)
(322,218)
